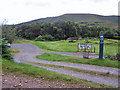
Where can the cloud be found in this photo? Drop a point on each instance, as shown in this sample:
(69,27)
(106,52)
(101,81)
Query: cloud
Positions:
(17,11)
(40,4)
(97,1)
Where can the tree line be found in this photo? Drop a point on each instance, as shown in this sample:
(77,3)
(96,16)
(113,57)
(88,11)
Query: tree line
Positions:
(59,30)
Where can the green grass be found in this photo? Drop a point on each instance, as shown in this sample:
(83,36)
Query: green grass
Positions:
(65,46)
(61,58)
(21,41)
(29,70)
(0,64)
(13,51)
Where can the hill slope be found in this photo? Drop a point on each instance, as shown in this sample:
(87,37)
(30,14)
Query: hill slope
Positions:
(84,19)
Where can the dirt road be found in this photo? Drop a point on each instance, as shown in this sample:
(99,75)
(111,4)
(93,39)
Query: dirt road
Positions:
(29,51)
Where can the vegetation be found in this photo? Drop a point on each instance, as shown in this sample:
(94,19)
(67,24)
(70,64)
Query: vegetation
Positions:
(29,70)
(13,51)
(66,46)
(82,19)
(9,33)
(22,41)
(62,30)
(76,69)
(46,35)
(5,50)
(60,58)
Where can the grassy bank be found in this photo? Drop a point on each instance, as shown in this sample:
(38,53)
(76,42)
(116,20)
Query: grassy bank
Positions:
(61,58)
(13,51)
(22,41)
(29,70)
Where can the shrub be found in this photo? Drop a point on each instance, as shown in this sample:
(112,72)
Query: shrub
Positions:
(48,37)
(9,33)
(118,56)
(39,38)
(5,50)
(7,56)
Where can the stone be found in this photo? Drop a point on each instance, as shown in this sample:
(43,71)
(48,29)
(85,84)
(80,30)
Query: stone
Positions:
(49,86)
(96,42)
(15,86)
(5,80)
(105,56)
(26,81)
(20,84)
(108,73)
(114,41)
(63,84)
(42,78)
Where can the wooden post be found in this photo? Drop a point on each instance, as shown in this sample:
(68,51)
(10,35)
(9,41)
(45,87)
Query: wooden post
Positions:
(85,47)
(78,47)
(91,48)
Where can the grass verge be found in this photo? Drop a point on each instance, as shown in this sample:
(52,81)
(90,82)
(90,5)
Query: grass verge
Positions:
(29,70)
(61,58)
(76,69)
(13,51)
(22,41)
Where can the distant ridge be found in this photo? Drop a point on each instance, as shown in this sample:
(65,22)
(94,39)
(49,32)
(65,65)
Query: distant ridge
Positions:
(83,19)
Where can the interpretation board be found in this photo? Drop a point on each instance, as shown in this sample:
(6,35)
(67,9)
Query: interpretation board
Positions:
(84,47)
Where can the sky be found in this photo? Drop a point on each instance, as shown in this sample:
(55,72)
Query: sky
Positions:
(18,11)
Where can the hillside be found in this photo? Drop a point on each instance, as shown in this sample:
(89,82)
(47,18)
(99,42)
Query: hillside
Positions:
(83,19)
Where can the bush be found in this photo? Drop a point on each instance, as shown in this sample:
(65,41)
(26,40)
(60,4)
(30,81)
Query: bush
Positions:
(48,37)
(39,38)
(5,50)
(118,56)
(7,56)
(45,37)
(9,33)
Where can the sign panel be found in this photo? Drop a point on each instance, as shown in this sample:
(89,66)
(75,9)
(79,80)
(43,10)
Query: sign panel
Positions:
(81,46)
(88,46)
(85,46)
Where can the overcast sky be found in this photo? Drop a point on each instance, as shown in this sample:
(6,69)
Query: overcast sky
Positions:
(17,11)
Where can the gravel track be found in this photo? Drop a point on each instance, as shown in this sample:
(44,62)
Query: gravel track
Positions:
(29,51)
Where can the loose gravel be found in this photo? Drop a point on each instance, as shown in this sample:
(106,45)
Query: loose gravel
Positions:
(29,51)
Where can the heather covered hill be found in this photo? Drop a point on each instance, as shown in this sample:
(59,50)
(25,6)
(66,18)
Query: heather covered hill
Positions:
(83,19)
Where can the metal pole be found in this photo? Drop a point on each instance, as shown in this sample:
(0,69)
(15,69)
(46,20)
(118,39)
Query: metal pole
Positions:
(101,46)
